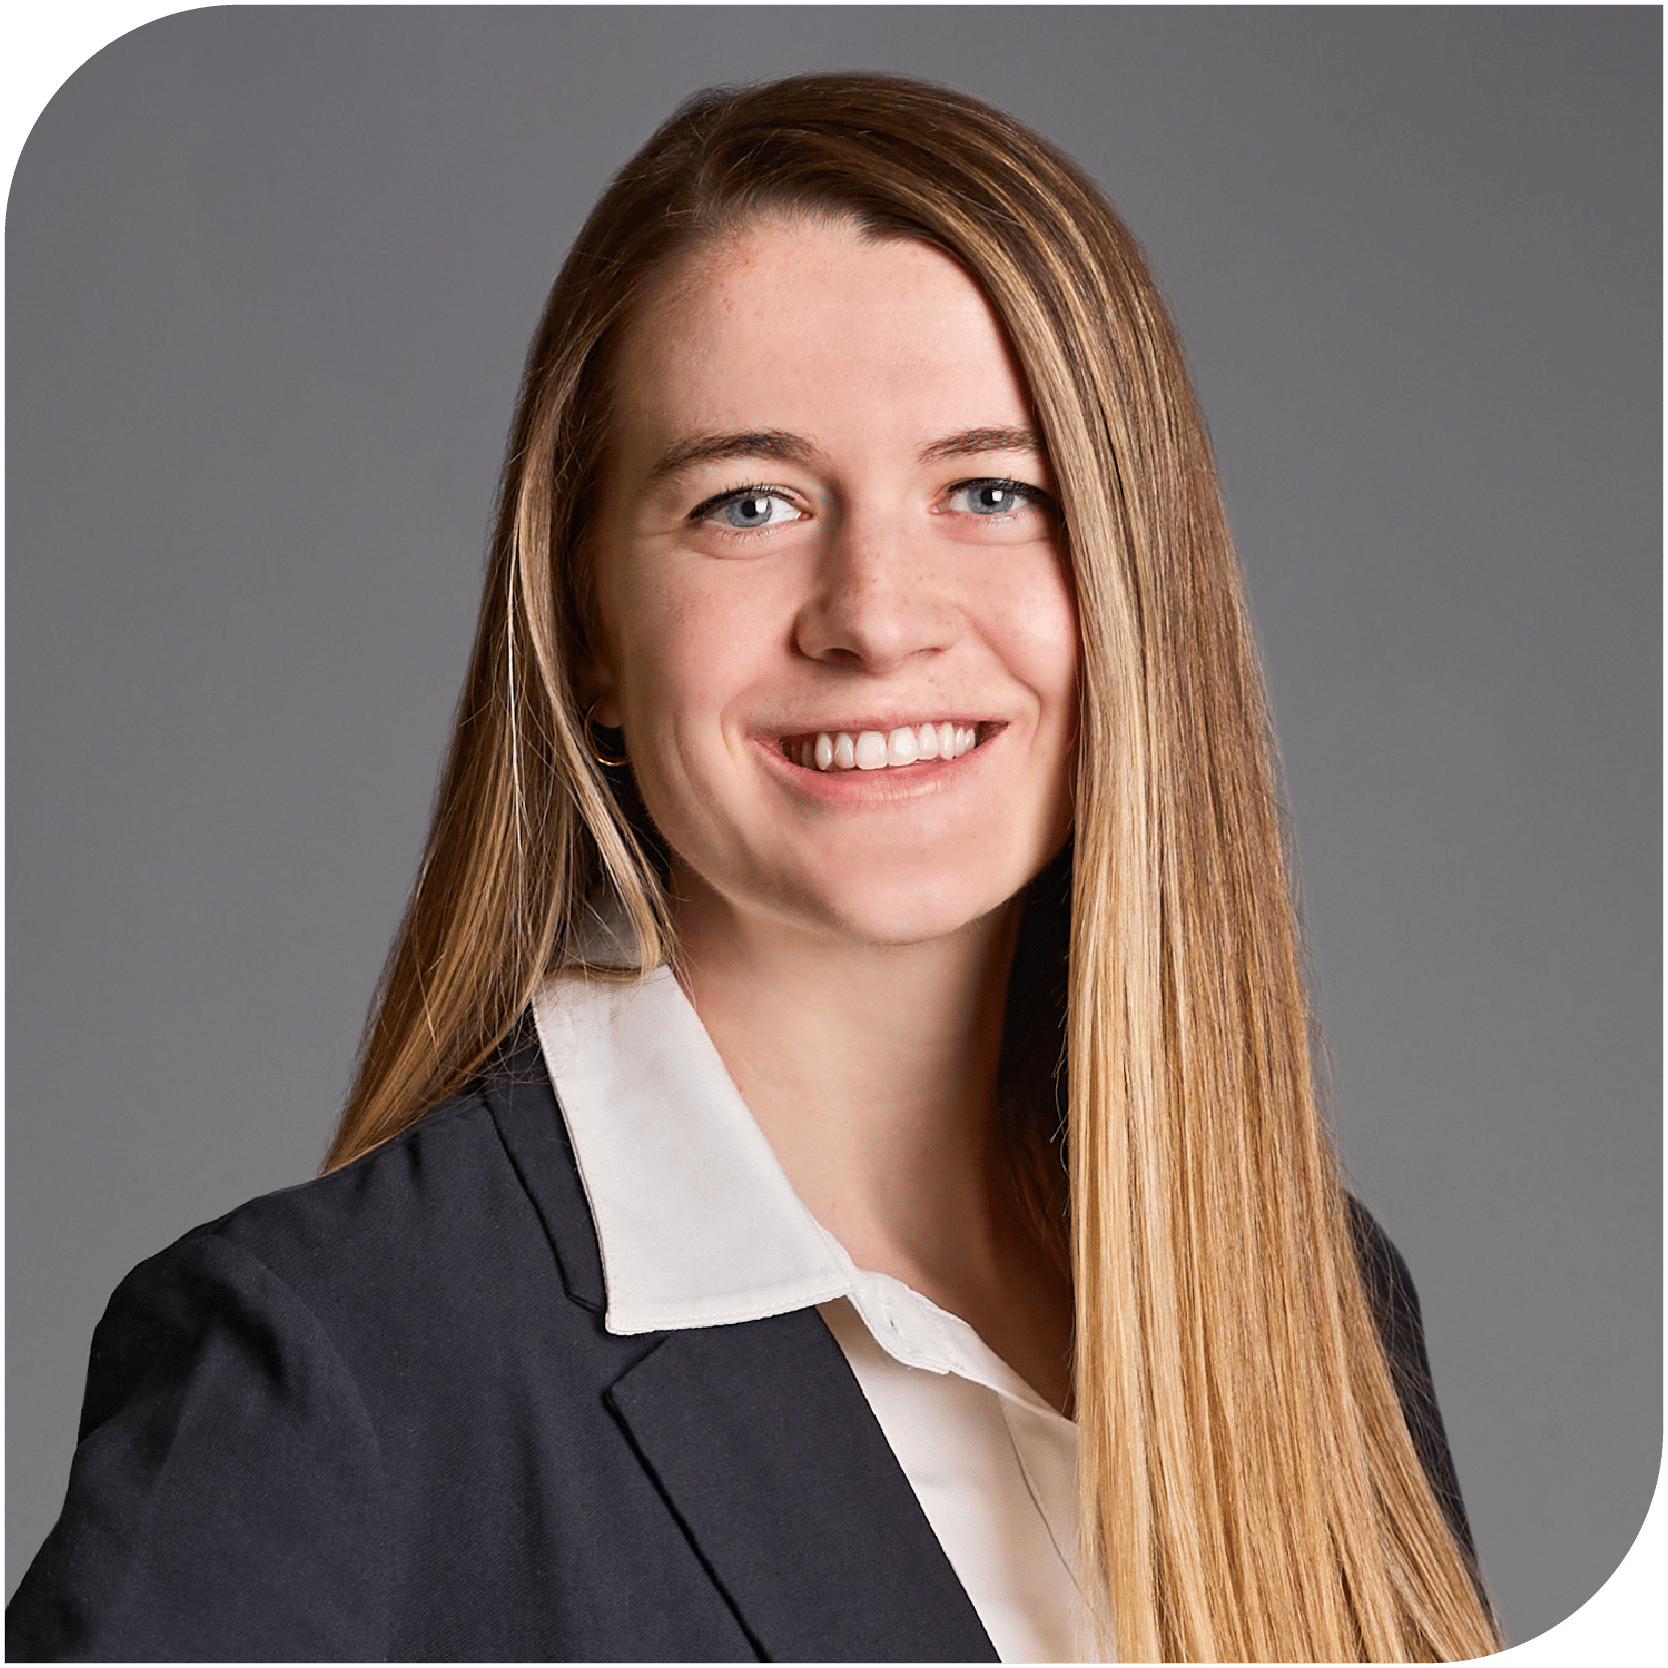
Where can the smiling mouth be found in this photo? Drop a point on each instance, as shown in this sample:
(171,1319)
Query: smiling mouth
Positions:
(910,744)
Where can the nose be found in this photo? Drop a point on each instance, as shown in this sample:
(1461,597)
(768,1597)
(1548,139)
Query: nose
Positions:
(877,598)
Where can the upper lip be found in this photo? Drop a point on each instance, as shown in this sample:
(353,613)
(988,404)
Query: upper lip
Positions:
(850,726)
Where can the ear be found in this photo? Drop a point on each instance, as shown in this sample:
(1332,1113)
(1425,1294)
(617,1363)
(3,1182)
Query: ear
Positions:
(593,687)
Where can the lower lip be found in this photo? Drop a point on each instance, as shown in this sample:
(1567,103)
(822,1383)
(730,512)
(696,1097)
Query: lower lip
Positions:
(894,784)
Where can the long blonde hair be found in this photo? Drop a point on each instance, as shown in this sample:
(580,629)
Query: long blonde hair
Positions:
(1249,1488)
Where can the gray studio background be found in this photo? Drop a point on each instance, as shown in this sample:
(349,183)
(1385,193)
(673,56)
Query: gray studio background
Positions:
(271,276)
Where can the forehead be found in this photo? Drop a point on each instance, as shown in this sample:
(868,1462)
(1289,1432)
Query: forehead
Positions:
(803,323)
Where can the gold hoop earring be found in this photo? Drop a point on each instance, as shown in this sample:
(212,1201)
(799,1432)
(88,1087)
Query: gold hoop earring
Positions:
(591,741)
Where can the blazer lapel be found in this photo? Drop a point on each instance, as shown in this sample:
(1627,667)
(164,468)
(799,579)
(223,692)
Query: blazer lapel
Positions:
(523,1105)
(766,1450)
(760,1441)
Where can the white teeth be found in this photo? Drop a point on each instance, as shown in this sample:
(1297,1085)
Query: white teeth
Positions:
(872,750)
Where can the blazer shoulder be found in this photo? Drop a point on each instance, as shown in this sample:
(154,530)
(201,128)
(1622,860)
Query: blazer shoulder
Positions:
(1395,1308)
(485,1180)
(429,1173)
(1389,1281)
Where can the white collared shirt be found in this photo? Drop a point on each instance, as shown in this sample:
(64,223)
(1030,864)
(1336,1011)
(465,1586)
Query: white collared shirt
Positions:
(699,1226)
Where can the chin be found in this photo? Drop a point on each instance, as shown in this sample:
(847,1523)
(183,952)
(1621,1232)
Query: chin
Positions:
(906,888)
(900,909)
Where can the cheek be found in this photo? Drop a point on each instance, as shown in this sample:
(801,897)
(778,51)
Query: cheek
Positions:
(1041,648)
(690,659)
(1032,624)
(1052,644)
(685,659)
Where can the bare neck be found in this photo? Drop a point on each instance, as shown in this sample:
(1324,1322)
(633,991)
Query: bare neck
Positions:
(872,1072)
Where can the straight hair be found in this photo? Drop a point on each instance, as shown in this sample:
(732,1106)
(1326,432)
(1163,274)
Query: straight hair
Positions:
(1249,1488)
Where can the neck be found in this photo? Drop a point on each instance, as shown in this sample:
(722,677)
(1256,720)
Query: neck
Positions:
(871,1070)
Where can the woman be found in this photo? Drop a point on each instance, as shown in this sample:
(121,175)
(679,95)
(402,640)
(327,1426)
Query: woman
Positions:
(836,1169)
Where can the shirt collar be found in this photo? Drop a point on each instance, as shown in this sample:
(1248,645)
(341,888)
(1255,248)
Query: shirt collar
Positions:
(696,1221)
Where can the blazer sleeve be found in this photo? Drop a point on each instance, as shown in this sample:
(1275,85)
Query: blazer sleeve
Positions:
(1395,1307)
(225,1500)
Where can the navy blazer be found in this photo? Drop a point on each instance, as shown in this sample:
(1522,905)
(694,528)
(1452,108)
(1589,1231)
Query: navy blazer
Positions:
(378,1416)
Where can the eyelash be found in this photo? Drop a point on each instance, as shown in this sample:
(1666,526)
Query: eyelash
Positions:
(758,489)
(763,489)
(1021,489)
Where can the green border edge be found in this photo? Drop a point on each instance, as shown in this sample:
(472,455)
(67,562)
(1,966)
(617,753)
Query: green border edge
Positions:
(44,42)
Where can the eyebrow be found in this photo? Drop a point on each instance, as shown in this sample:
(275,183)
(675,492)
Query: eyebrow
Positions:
(711,448)
(786,447)
(971,442)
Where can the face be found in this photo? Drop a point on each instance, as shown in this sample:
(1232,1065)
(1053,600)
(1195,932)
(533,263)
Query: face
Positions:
(836,626)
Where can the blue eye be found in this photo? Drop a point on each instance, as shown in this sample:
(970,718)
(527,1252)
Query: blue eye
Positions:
(990,498)
(750,508)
